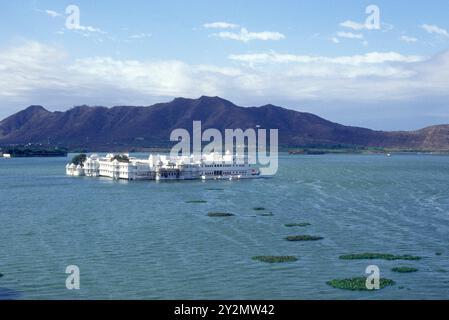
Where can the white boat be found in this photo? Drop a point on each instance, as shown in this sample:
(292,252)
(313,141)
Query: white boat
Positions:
(6,156)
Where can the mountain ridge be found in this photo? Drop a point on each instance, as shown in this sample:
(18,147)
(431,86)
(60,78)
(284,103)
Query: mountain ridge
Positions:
(149,126)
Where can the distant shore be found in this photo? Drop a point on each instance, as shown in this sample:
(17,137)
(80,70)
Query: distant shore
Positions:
(33,152)
(29,151)
(322,151)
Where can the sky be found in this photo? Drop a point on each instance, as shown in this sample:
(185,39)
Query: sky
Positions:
(378,64)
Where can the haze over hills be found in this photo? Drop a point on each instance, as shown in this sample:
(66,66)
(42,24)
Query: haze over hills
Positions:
(127,126)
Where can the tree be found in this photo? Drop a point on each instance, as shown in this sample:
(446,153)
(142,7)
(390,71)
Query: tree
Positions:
(79,159)
(120,158)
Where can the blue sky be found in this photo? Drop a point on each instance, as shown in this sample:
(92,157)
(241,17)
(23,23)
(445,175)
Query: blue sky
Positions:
(314,56)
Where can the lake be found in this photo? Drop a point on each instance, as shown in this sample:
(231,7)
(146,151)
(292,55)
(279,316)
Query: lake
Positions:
(142,240)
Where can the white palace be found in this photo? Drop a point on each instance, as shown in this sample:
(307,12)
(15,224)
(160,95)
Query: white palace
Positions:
(162,167)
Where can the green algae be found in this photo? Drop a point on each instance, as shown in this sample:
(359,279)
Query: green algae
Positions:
(302,224)
(269,214)
(381,256)
(404,269)
(275,259)
(220,214)
(303,238)
(357,284)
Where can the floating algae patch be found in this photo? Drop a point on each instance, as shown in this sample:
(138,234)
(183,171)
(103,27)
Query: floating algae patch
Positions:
(196,201)
(220,214)
(357,284)
(381,256)
(268,214)
(303,238)
(275,259)
(404,269)
(291,225)
(259,209)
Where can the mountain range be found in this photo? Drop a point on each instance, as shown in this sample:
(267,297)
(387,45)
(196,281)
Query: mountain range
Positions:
(127,126)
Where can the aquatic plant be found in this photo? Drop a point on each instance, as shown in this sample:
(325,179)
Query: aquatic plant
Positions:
(357,284)
(404,269)
(275,259)
(303,238)
(196,201)
(259,209)
(220,214)
(269,214)
(302,224)
(382,256)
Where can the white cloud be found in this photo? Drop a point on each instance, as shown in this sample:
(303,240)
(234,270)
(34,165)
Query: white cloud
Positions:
(335,40)
(36,73)
(52,13)
(141,36)
(350,35)
(386,26)
(368,58)
(408,39)
(220,25)
(357,26)
(84,30)
(27,67)
(244,35)
(34,70)
(353,25)
(88,29)
(433,29)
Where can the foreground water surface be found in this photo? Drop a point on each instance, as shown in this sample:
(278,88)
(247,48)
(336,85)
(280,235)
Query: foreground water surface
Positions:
(142,240)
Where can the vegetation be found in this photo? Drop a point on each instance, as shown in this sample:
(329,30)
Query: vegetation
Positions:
(438,253)
(268,214)
(382,256)
(303,238)
(357,284)
(302,224)
(34,151)
(214,189)
(275,259)
(404,269)
(220,214)
(319,149)
(121,158)
(196,201)
(79,159)
(334,149)
(259,209)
